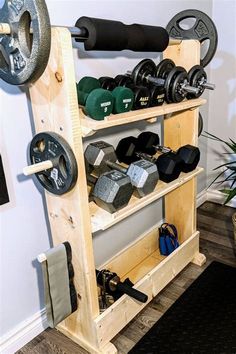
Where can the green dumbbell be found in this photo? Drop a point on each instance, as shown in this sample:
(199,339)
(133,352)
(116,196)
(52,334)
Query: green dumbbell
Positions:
(123,96)
(123,99)
(88,83)
(97,104)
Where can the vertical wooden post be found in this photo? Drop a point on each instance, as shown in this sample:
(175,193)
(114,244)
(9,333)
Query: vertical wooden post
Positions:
(55,108)
(179,129)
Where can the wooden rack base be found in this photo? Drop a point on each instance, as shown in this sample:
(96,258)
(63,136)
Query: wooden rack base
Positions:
(55,108)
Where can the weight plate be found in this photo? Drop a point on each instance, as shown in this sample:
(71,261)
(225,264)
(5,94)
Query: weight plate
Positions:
(141,71)
(170,80)
(50,146)
(164,67)
(197,76)
(203,29)
(24,56)
(177,93)
(200,124)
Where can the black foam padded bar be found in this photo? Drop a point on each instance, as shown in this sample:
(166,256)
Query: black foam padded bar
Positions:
(107,35)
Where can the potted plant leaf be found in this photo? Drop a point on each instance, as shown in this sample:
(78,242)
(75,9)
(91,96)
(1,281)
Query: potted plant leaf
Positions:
(227,175)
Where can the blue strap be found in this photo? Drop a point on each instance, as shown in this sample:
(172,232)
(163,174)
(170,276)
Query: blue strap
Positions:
(168,239)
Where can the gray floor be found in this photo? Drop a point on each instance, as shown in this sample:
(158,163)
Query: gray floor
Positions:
(217,243)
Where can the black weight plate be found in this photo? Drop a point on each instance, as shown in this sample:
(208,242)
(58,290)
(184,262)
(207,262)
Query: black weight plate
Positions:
(142,70)
(203,29)
(169,82)
(177,93)
(196,76)
(164,67)
(200,124)
(50,146)
(24,56)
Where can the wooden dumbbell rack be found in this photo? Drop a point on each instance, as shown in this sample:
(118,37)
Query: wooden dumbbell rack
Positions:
(73,219)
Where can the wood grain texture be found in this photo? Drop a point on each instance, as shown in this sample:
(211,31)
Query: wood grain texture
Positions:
(215,242)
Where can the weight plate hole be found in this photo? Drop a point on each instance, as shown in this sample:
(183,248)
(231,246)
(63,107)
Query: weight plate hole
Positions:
(25,37)
(62,166)
(204,47)
(187,23)
(46,181)
(40,146)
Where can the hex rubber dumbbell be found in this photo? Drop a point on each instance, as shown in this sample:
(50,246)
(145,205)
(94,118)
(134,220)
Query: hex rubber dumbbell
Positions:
(169,165)
(148,142)
(98,103)
(141,93)
(143,174)
(123,96)
(111,191)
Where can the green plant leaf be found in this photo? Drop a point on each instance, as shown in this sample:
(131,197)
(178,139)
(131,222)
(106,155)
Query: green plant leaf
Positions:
(231,195)
(224,164)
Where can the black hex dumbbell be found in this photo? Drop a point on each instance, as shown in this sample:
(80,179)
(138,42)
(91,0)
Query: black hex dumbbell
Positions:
(141,93)
(148,142)
(111,191)
(143,174)
(169,165)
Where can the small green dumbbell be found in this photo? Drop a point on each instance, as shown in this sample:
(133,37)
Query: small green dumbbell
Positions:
(88,83)
(123,99)
(97,104)
(123,96)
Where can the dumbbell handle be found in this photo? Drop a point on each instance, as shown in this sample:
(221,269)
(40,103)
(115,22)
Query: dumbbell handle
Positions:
(37,167)
(143,155)
(190,89)
(136,294)
(116,166)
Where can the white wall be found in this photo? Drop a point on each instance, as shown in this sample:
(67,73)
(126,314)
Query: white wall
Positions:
(24,230)
(222,105)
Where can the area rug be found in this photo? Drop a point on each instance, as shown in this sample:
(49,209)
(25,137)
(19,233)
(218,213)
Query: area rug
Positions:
(202,320)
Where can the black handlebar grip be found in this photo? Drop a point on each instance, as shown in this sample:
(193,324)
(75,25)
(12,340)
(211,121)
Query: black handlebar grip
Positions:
(136,294)
(110,35)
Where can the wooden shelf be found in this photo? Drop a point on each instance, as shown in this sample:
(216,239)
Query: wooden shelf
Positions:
(152,275)
(102,220)
(90,126)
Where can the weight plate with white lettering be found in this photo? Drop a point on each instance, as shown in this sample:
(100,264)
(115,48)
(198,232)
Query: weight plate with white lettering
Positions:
(61,178)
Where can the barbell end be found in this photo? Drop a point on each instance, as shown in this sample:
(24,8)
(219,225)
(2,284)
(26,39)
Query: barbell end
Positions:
(38,167)
(5,28)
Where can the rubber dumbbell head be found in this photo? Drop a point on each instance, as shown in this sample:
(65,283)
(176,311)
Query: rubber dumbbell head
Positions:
(88,84)
(148,142)
(97,104)
(123,99)
(107,83)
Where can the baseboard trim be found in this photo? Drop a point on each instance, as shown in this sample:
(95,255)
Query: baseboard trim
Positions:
(23,333)
(201,198)
(216,196)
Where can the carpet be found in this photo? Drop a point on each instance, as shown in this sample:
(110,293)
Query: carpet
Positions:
(202,320)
